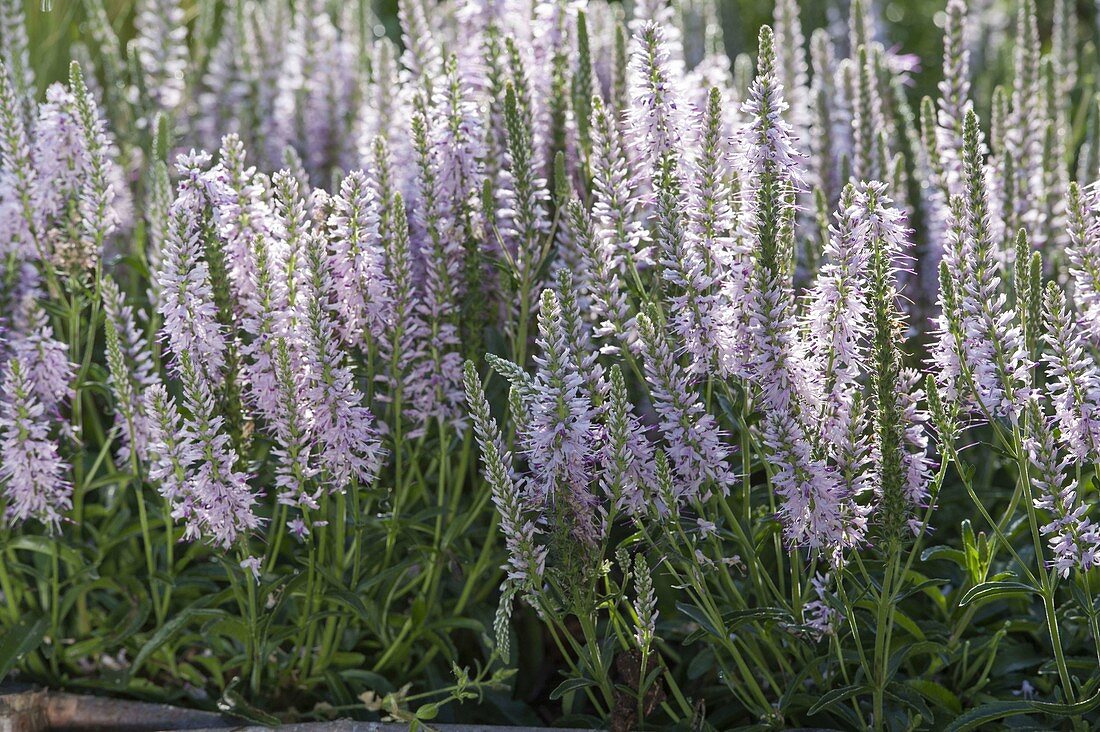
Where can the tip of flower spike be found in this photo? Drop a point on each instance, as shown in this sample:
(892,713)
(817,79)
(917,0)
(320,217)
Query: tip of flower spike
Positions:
(971,129)
(714,98)
(615,377)
(76,76)
(765,62)
(162,136)
(562,187)
(548,304)
(469,369)
(928,108)
(1023,242)
(510,98)
(651,33)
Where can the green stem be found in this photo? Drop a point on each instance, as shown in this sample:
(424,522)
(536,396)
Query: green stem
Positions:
(883,621)
(1045,578)
(55,609)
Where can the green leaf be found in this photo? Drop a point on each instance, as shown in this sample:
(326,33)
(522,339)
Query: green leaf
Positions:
(21,639)
(906,623)
(368,680)
(976,718)
(228,627)
(700,618)
(911,650)
(739,617)
(836,696)
(909,698)
(352,602)
(570,685)
(169,629)
(945,553)
(47,546)
(930,589)
(1068,710)
(994,590)
(458,624)
(937,694)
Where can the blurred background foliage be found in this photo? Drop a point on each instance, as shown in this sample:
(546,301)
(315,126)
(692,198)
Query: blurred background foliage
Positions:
(913,26)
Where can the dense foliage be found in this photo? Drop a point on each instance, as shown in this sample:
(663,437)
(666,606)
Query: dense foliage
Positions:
(552,366)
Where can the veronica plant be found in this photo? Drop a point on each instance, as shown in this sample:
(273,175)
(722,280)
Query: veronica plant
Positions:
(346,375)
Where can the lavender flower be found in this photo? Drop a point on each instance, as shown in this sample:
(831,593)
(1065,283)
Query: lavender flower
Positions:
(645,605)
(217,501)
(900,441)
(694,446)
(1024,127)
(162,50)
(949,349)
(132,370)
(657,124)
(994,348)
(44,358)
(1064,50)
(275,373)
(768,168)
(18,188)
(815,513)
(348,446)
(223,99)
(916,463)
(439,374)
(768,171)
(559,435)
(628,474)
(402,345)
(578,335)
(422,57)
(458,139)
(172,450)
(98,206)
(608,307)
(187,305)
(819,615)
(15,57)
(241,212)
(1074,378)
(854,457)
(1084,257)
(77,186)
(297,467)
(830,131)
(616,200)
(527,559)
(361,286)
(266,319)
(837,319)
(58,156)
(712,218)
(31,470)
(793,71)
(868,120)
(325,94)
(252,565)
(656,115)
(1074,539)
(954,98)
(524,210)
